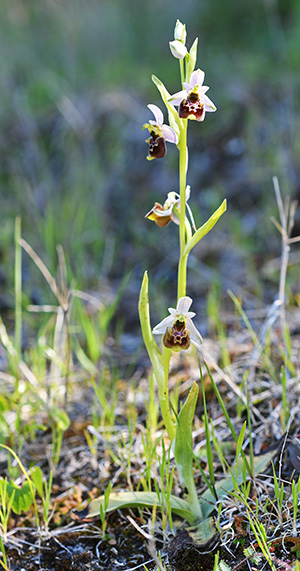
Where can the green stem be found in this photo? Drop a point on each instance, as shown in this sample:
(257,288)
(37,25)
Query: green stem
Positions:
(188,230)
(182,73)
(181,288)
(182,270)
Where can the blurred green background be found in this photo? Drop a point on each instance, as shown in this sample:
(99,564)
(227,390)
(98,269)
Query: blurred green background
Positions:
(75,81)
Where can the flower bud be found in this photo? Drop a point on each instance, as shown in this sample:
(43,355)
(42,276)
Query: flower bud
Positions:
(178,49)
(179,32)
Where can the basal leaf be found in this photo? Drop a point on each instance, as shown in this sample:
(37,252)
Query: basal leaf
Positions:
(184,455)
(184,441)
(226,485)
(118,500)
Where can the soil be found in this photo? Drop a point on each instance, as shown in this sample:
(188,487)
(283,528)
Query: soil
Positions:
(84,551)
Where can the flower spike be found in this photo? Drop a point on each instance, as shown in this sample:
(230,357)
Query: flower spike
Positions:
(178,329)
(192,101)
(159,134)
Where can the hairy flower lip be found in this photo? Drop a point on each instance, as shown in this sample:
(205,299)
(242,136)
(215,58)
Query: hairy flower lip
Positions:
(169,326)
(157,147)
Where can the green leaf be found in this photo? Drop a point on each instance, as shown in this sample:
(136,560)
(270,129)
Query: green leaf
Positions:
(118,500)
(60,417)
(226,485)
(151,346)
(22,497)
(144,314)
(204,531)
(184,449)
(184,440)
(207,435)
(203,230)
(222,566)
(240,441)
(191,58)
(37,478)
(174,120)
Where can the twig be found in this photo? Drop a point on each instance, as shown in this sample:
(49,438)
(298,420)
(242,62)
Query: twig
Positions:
(287,219)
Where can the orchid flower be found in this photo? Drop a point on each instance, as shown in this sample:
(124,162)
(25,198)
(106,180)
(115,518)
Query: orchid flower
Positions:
(178,329)
(162,215)
(192,101)
(159,134)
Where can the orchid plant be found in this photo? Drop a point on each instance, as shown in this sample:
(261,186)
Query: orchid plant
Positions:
(177,330)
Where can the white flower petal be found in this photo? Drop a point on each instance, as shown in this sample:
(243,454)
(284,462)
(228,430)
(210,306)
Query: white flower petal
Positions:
(172,199)
(172,311)
(163,213)
(174,218)
(190,314)
(169,134)
(194,333)
(159,118)
(162,326)
(197,78)
(203,89)
(183,305)
(208,104)
(178,97)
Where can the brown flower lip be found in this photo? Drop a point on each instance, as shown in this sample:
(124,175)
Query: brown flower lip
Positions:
(191,108)
(177,337)
(160,133)
(192,100)
(161,221)
(178,329)
(157,146)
